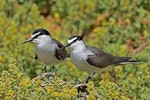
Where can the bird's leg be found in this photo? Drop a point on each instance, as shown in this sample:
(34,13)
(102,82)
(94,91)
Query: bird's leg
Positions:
(52,69)
(82,89)
(88,78)
(44,70)
(51,73)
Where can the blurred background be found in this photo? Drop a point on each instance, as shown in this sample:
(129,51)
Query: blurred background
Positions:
(120,27)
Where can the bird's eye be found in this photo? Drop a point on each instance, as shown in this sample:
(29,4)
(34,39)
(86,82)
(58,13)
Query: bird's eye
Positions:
(79,38)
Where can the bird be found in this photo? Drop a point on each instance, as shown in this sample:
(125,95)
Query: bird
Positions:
(48,50)
(91,59)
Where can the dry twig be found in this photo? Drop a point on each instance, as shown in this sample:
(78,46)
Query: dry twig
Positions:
(41,76)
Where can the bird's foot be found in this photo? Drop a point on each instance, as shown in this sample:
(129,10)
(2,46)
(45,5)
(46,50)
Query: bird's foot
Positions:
(52,69)
(42,74)
(51,74)
(45,76)
(82,88)
(86,80)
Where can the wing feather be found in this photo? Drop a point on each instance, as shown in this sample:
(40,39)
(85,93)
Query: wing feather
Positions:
(60,54)
(99,58)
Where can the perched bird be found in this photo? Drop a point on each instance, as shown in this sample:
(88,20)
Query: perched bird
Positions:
(48,50)
(91,59)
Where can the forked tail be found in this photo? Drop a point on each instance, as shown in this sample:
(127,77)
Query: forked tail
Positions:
(125,60)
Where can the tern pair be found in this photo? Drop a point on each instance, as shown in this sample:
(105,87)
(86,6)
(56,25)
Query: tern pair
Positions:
(86,58)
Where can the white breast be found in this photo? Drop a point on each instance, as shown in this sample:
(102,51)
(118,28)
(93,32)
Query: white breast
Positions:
(79,57)
(46,53)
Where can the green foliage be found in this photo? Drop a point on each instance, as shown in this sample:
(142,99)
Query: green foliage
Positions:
(120,27)
(15,86)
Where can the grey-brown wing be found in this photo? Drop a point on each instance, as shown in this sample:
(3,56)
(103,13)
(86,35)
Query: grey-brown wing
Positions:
(99,58)
(60,53)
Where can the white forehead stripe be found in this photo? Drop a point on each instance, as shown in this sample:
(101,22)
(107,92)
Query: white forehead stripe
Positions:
(35,34)
(71,40)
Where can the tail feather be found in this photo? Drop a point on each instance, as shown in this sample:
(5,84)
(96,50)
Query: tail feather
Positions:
(125,60)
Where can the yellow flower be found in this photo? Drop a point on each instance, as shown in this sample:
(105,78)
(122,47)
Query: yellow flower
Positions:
(90,85)
(3,87)
(12,60)
(65,90)
(38,82)
(68,97)
(124,98)
(34,8)
(104,23)
(145,33)
(19,75)
(2,22)
(102,82)
(49,91)
(73,91)
(106,76)
(10,93)
(91,97)
(56,94)
(112,22)
(39,88)
(9,98)
(91,5)
(60,94)
(95,30)
(114,94)
(25,82)
(3,4)
(1,95)
(57,16)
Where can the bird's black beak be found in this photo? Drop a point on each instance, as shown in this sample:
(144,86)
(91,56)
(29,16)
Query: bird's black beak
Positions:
(28,40)
(67,45)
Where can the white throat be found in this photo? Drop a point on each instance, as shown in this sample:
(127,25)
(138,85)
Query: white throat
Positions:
(78,45)
(45,50)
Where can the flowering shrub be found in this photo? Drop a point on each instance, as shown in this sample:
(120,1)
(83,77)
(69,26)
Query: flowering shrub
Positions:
(14,85)
(117,27)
